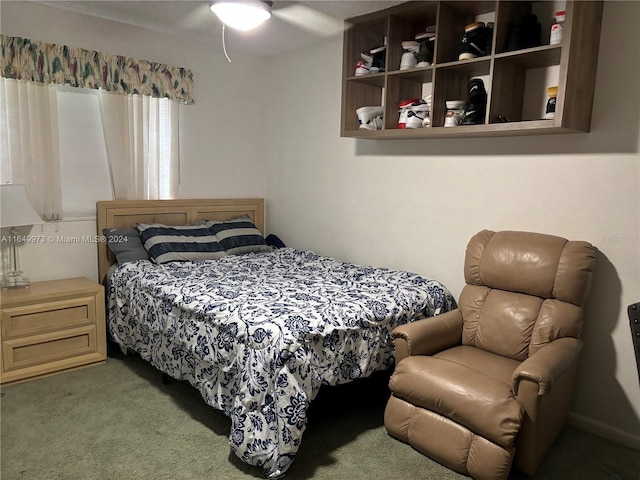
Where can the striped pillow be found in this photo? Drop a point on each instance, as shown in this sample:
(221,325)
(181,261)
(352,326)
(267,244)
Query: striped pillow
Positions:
(239,235)
(166,243)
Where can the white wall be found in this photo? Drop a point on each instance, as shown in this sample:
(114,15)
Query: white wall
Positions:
(415,204)
(405,204)
(222,135)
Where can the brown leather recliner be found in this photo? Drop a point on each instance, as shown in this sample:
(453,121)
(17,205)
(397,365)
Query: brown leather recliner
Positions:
(491,381)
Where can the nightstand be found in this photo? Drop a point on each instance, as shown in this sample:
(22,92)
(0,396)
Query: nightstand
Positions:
(50,327)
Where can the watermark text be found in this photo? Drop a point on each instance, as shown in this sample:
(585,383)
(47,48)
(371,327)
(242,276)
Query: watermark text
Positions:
(34,239)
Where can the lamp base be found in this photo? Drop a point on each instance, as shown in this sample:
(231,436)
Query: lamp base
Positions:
(14,279)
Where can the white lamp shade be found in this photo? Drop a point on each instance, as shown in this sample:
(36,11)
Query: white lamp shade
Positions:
(15,207)
(242,15)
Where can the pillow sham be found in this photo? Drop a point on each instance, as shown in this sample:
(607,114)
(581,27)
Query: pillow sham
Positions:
(165,243)
(125,244)
(238,236)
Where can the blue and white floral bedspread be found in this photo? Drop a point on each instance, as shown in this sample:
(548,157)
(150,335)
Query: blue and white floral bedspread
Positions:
(258,334)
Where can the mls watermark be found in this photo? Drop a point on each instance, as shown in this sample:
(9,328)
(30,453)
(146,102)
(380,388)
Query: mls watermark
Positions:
(34,239)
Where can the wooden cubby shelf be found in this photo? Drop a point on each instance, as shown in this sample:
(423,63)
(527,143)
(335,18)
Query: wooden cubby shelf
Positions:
(516,81)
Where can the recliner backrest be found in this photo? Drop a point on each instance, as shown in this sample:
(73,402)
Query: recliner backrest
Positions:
(523,291)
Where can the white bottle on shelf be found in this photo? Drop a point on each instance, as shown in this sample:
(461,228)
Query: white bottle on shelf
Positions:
(557,29)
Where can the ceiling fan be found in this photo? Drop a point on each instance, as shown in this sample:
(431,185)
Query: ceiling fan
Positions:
(296,21)
(248,14)
(311,16)
(245,15)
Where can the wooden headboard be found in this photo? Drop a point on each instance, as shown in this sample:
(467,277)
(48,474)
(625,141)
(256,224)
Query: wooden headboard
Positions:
(128,213)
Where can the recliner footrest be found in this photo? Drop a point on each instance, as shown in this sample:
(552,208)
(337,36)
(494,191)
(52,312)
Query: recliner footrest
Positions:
(447,442)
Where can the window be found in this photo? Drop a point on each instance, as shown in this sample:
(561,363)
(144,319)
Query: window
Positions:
(110,146)
(139,124)
(83,156)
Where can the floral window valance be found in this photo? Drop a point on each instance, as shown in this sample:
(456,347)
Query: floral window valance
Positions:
(25,59)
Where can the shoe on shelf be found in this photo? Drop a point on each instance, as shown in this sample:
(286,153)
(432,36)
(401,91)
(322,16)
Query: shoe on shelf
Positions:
(409,58)
(405,106)
(427,47)
(408,61)
(376,57)
(374,124)
(410,45)
(370,117)
(474,41)
(430,31)
(476,106)
(362,69)
(455,113)
(372,62)
(524,32)
(416,115)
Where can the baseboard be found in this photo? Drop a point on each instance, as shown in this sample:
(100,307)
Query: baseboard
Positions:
(597,428)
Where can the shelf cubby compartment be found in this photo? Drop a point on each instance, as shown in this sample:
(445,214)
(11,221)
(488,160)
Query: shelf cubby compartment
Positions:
(510,11)
(359,93)
(364,37)
(405,25)
(452,18)
(451,83)
(403,85)
(512,86)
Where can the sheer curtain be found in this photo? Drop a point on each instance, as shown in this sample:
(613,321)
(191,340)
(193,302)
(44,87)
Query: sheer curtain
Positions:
(141,137)
(29,146)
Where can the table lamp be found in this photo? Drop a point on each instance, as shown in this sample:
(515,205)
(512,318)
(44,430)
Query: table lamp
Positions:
(16,210)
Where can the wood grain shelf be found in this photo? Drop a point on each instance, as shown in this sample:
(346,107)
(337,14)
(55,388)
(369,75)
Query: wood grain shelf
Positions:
(505,73)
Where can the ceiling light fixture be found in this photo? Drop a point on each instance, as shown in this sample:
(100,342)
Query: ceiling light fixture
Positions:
(242,14)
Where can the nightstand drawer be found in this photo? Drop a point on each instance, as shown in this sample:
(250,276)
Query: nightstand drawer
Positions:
(48,317)
(49,347)
(51,327)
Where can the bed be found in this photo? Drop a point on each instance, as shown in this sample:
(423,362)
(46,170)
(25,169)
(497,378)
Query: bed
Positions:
(258,333)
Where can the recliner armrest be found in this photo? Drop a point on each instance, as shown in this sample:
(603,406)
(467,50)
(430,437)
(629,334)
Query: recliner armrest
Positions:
(547,364)
(428,336)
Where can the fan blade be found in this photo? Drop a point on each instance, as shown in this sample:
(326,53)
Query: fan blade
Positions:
(198,17)
(310,20)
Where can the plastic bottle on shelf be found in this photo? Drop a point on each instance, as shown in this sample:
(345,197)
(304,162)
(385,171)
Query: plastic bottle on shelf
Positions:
(557,29)
(550,113)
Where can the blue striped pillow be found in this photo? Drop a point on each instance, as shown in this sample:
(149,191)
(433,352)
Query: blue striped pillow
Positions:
(166,243)
(238,236)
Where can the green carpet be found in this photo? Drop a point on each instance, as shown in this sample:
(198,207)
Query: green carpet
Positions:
(118,421)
